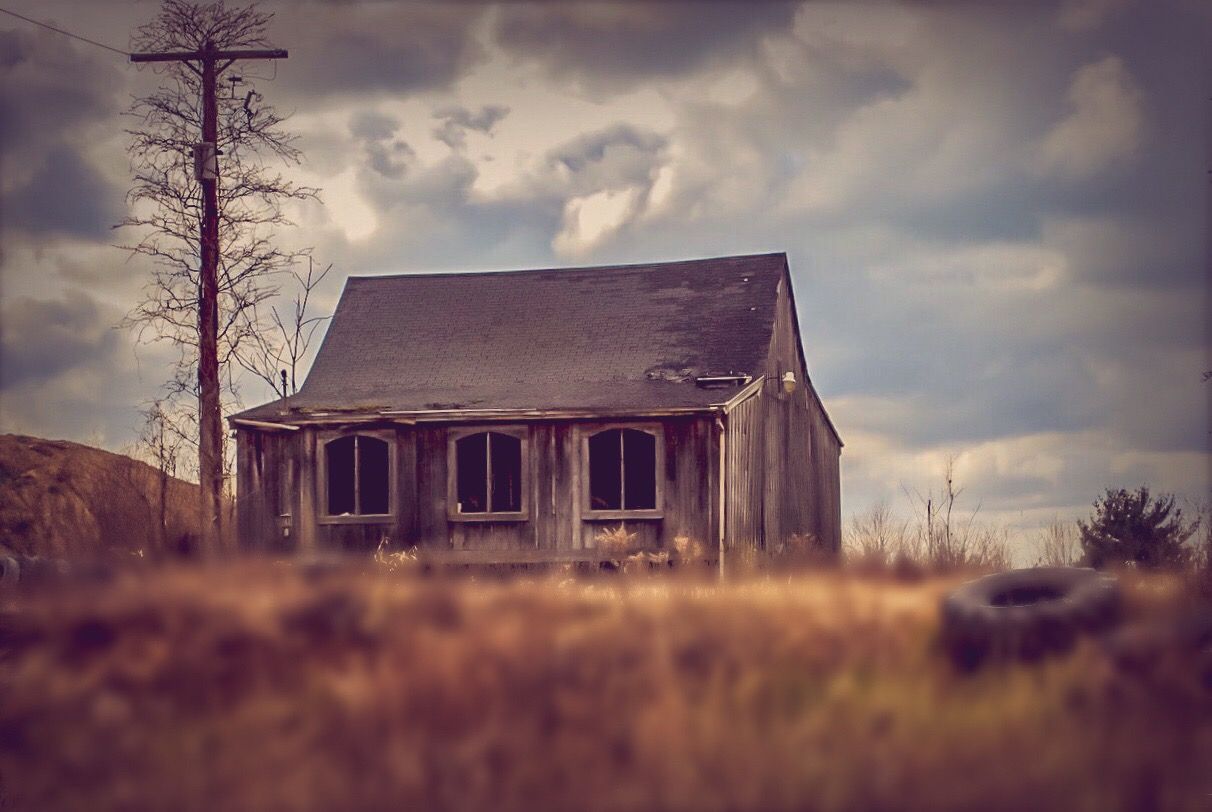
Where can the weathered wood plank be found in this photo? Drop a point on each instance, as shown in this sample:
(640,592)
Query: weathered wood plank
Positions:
(513,535)
(690,491)
(569,496)
(406,531)
(543,484)
(800,492)
(432,526)
(306,528)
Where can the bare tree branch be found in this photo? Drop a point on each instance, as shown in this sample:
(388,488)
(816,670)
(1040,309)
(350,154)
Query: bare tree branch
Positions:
(166,210)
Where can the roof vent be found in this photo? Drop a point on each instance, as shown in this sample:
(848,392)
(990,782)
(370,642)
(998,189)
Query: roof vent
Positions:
(721,381)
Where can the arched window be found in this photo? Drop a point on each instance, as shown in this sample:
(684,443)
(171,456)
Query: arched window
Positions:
(488,474)
(357,476)
(623,470)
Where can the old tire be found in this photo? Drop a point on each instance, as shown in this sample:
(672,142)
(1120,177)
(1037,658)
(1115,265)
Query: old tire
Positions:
(1026,614)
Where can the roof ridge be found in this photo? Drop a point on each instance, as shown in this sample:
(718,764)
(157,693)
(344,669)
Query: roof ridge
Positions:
(563,269)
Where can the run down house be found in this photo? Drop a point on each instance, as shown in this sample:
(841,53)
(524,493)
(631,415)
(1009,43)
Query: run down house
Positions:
(515,416)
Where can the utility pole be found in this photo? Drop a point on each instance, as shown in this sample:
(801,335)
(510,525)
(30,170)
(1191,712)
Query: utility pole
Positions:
(206,170)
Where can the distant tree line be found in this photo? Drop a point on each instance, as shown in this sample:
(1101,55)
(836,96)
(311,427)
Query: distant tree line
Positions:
(1127,528)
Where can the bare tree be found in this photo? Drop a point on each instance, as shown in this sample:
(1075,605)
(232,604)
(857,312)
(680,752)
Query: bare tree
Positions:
(161,440)
(281,349)
(167,208)
(948,542)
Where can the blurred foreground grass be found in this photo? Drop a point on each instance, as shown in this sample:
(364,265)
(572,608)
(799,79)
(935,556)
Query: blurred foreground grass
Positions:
(260,687)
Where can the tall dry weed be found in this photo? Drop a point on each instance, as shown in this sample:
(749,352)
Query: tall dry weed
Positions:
(939,537)
(1058,545)
(394,560)
(617,542)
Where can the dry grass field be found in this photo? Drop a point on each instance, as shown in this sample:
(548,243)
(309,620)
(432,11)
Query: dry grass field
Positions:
(262,686)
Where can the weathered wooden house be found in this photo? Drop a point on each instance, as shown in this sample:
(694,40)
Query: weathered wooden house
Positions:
(515,416)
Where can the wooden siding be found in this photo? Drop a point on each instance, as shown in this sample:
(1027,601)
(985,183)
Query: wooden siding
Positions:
(744,450)
(257,480)
(555,518)
(782,454)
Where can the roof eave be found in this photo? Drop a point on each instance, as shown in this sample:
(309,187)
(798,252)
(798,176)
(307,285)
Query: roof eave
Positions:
(410,417)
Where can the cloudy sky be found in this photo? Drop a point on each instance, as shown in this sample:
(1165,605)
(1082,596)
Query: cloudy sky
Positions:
(995,213)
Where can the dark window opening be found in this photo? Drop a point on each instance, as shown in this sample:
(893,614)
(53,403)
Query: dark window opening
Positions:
(488,473)
(342,483)
(639,470)
(471,460)
(358,476)
(505,456)
(605,469)
(372,475)
(622,470)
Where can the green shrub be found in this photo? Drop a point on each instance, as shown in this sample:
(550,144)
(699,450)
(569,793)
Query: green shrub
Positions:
(1136,529)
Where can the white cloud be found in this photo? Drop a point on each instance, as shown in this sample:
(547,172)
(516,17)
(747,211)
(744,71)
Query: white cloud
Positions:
(661,189)
(733,87)
(1105,126)
(543,115)
(1111,250)
(348,209)
(590,220)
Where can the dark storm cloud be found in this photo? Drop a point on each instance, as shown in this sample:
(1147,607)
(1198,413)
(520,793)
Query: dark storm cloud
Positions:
(371,125)
(1136,221)
(42,339)
(456,121)
(1013,394)
(614,158)
(389,48)
(49,87)
(52,95)
(594,147)
(65,197)
(1161,194)
(386,155)
(609,47)
(443,226)
(66,372)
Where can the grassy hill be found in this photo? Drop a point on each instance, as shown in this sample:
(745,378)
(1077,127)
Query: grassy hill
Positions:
(66,500)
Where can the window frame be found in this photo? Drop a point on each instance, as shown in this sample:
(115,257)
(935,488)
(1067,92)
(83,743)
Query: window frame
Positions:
(322,440)
(657,430)
(522,434)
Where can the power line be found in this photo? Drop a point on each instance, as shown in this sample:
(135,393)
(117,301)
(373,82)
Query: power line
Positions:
(65,33)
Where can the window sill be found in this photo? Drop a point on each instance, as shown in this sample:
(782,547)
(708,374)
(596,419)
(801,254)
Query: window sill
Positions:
(624,514)
(488,517)
(359,518)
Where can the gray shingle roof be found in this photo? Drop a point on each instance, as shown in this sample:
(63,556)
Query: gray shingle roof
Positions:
(620,338)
